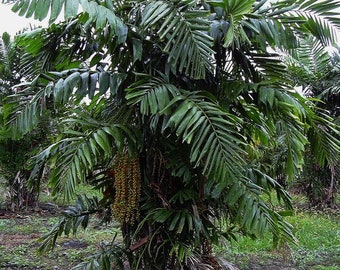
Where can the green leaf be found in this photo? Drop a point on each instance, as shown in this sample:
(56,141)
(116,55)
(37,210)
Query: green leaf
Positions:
(58,91)
(174,221)
(137,49)
(24,8)
(162,215)
(104,82)
(71,8)
(42,9)
(267,95)
(187,43)
(92,84)
(102,139)
(69,84)
(31,8)
(181,223)
(18,5)
(56,7)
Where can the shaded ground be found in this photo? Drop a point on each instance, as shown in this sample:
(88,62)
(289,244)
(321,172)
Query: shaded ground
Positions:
(254,262)
(19,233)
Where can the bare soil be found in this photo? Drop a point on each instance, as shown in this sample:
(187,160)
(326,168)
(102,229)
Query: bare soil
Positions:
(19,233)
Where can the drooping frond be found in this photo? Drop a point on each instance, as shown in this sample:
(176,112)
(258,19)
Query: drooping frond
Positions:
(97,14)
(151,94)
(82,82)
(322,19)
(54,48)
(212,134)
(309,63)
(257,216)
(23,110)
(324,139)
(75,156)
(291,141)
(233,11)
(184,30)
(73,217)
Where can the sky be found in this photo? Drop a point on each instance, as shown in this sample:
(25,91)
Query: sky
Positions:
(12,23)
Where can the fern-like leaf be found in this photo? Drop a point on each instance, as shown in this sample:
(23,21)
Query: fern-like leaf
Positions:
(187,43)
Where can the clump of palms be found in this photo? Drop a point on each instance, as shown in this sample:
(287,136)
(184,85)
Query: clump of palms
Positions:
(13,153)
(316,69)
(185,102)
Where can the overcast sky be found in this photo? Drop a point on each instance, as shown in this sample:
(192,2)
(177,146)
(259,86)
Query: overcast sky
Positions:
(12,23)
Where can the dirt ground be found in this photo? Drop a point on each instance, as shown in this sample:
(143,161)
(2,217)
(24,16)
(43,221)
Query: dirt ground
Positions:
(19,233)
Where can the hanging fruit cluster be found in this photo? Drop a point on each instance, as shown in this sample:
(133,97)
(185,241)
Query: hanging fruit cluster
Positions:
(127,188)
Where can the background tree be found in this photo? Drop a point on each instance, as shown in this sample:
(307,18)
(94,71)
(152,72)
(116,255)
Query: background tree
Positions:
(15,153)
(185,102)
(12,153)
(316,69)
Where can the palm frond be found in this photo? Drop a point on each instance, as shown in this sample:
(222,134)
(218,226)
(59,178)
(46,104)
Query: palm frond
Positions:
(23,109)
(309,62)
(152,94)
(97,14)
(212,134)
(269,67)
(321,19)
(291,140)
(101,15)
(83,82)
(73,217)
(234,12)
(74,157)
(55,48)
(257,217)
(324,139)
(185,31)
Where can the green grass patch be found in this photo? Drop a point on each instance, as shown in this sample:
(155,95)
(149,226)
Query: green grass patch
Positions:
(319,239)
(318,247)
(19,248)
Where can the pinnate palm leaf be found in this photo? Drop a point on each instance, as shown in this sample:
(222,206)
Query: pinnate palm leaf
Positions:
(73,157)
(211,133)
(73,217)
(233,11)
(98,13)
(23,110)
(82,82)
(324,138)
(152,95)
(321,19)
(185,31)
(310,60)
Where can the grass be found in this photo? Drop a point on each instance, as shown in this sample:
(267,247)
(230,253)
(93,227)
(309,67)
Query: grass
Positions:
(18,248)
(20,231)
(318,247)
(319,239)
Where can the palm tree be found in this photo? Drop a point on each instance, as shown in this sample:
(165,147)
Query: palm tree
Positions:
(9,73)
(185,101)
(14,153)
(317,70)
